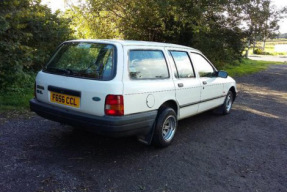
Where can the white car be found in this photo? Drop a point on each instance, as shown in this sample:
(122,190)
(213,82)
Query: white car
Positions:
(123,88)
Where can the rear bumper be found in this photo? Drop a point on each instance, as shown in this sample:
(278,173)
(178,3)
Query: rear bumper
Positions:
(135,124)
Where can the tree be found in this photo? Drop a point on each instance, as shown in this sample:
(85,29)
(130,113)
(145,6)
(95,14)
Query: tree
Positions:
(270,19)
(29,32)
(91,24)
(261,19)
(200,24)
(284,35)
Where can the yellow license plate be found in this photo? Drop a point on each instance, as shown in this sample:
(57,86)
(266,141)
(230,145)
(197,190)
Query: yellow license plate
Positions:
(64,99)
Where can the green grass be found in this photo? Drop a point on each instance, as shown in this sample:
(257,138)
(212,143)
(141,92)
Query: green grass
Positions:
(13,100)
(248,66)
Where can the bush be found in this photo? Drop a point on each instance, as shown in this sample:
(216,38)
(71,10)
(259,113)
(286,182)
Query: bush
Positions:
(258,51)
(29,33)
(261,52)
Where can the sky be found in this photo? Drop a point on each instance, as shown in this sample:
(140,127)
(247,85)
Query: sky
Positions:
(283,24)
(59,4)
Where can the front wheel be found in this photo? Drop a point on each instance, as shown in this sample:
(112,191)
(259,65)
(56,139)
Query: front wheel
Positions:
(165,128)
(227,105)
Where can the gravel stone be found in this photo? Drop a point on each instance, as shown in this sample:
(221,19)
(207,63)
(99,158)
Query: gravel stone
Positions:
(243,151)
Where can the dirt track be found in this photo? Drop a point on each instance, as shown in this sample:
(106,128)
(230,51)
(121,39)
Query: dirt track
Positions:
(271,58)
(243,151)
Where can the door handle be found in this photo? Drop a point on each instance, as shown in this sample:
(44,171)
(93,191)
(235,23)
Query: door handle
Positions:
(180,84)
(204,82)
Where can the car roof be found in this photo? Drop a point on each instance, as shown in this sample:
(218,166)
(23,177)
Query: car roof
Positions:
(134,43)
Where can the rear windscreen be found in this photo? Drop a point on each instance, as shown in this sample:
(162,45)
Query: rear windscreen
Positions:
(84,59)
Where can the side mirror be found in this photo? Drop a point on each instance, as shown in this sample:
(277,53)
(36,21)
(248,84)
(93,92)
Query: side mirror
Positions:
(222,74)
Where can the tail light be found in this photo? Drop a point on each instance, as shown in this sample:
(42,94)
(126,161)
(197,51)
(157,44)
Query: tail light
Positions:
(114,105)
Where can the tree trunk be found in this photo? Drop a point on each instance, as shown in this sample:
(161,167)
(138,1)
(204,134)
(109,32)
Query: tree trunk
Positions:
(254,45)
(248,46)
(264,42)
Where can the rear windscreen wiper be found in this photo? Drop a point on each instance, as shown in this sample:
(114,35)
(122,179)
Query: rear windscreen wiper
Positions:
(61,71)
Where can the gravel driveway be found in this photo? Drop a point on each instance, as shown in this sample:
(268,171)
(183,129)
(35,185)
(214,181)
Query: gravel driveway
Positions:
(279,58)
(243,151)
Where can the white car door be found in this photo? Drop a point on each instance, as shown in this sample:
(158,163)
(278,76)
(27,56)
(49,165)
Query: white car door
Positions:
(147,82)
(212,93)
(187,86)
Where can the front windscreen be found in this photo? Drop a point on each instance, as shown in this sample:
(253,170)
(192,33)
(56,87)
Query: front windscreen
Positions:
(84,60)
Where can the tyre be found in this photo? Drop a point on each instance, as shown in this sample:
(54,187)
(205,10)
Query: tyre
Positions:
(227,105)
(165,128)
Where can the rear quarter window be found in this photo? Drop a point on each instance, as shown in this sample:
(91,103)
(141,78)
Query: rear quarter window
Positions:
(147,64)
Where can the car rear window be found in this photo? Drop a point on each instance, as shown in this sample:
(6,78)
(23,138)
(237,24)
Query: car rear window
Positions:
(84,60)
(147,64)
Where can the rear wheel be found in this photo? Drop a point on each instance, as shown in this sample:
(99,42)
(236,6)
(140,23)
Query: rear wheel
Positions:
(165,128)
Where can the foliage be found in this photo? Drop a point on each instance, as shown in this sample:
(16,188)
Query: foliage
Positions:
(258,51)
(200,24)
(247,66)
(9,100)
(261,19)
(284,35)
(29,32)
(87,24)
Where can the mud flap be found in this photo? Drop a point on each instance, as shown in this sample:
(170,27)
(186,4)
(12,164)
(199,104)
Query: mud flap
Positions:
(147,139)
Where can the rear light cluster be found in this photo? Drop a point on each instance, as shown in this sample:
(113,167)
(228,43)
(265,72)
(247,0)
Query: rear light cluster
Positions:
(114,105)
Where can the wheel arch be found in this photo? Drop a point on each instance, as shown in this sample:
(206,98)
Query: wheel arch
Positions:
(172,104)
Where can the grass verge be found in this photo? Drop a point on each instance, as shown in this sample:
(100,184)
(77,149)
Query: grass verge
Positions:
(248,66)
(14,100)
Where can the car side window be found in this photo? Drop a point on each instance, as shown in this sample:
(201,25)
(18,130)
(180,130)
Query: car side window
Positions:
(147,64)
(202,65)
(183,64)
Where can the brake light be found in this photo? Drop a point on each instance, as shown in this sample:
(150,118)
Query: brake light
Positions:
(114,105)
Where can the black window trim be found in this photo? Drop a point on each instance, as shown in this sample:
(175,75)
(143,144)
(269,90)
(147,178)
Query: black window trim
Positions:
(188,55)
(150,49)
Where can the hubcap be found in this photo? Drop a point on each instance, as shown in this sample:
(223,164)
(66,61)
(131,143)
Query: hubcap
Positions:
(168,128)
(228,102)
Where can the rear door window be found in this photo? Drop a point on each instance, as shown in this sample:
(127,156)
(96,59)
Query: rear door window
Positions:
(147,64)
